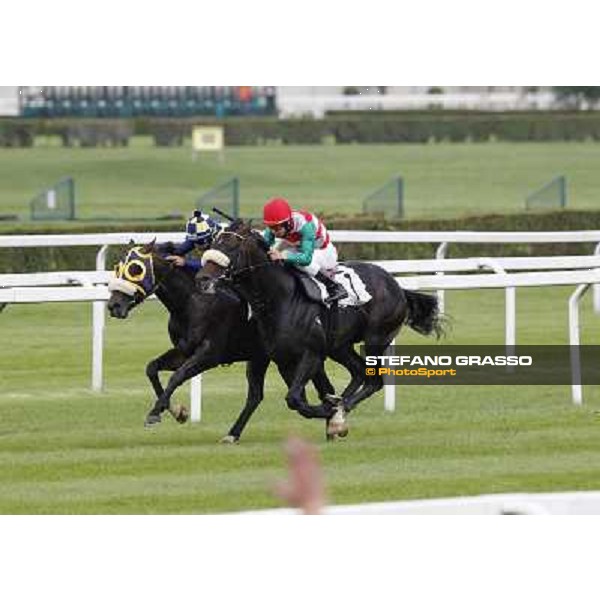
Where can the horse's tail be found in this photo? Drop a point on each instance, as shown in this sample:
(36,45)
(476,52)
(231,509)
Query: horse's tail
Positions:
(423,314)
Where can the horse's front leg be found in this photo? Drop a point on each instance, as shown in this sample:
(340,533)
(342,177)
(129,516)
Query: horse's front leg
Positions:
(255,375)
(198,362)
(170,360)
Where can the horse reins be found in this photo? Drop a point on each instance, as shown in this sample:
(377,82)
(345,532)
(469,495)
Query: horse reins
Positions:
(233,274)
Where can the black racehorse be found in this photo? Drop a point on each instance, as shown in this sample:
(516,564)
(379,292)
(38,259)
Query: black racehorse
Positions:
(299,333)
(205,330)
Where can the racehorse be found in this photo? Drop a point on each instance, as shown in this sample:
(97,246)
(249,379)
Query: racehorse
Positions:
(298,332)
(205,330)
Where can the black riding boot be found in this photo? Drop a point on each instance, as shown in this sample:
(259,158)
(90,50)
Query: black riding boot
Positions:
(335,290)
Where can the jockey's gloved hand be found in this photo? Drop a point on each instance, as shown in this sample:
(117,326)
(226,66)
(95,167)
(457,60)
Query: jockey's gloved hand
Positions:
(177,261)
(275,255)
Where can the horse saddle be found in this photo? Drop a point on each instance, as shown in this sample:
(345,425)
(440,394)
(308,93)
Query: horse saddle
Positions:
(344,275)
(309,285)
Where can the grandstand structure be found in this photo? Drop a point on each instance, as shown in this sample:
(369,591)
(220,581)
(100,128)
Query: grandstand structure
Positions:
(317,101)
(222,101)
(146,101)
(283,101)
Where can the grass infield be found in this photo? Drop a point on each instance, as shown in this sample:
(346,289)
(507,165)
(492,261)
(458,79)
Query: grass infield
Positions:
(64,449)
(441,180)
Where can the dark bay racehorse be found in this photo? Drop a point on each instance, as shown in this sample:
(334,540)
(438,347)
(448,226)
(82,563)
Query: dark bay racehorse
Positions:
(205,330)
(299,333)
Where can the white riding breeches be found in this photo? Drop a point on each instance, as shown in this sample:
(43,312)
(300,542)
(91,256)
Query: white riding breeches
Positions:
(324,259)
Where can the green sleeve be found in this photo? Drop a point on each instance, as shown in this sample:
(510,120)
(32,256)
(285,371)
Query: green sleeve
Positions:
(303,257)
(269,236)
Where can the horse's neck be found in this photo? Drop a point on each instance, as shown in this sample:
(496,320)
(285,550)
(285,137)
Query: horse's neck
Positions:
(268,291)
(175,292)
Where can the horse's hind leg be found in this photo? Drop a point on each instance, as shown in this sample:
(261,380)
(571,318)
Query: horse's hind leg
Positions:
(296,377)
(373,383)
(354,363)
(324,387)
(255,375)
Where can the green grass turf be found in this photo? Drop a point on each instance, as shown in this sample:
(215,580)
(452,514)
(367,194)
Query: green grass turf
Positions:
(441,180)
(64,449)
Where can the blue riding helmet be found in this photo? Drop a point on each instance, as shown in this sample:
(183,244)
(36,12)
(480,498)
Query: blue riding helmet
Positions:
(201,229)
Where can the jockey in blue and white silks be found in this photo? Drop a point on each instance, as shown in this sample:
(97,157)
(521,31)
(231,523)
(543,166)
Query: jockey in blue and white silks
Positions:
(200,230)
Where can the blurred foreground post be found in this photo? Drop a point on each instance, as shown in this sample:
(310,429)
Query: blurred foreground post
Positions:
(305,488)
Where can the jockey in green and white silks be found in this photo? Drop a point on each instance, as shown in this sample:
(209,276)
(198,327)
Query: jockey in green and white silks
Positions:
(303,243)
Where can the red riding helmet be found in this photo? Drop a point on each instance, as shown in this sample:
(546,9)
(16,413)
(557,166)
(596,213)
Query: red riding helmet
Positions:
(276,211)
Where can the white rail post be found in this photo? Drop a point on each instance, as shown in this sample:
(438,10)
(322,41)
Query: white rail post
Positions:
(510,306)
(389,391)
(596,287)
(97,344)
(510,315)
(98,322)
(196,399)
(440,254)
(574,341)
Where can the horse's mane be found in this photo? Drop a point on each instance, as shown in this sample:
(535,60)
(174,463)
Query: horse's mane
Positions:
(241,227)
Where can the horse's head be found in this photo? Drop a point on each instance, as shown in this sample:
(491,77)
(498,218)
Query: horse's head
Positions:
(136,276)
(236,251)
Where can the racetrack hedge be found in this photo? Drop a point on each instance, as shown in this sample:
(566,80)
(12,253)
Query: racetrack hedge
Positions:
(343,127)
(16,133)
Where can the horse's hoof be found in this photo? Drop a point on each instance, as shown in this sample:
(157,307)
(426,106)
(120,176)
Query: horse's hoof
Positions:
(180,414)
(229,439)
(337,424)
(152,420)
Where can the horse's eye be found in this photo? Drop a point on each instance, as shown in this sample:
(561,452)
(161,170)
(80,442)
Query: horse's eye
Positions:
(135,270)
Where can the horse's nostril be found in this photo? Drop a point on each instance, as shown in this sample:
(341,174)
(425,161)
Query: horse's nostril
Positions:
(114,309)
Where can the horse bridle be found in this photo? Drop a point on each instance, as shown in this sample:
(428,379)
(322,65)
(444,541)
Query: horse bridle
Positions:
(230,274)
(140,293)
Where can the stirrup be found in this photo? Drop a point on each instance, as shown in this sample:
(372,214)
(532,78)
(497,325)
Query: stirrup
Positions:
(335,291)
(338,294)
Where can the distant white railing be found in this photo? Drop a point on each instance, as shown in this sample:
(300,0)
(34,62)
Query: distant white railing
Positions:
(86,239)
(443,238)
(559,503)
(54,278)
